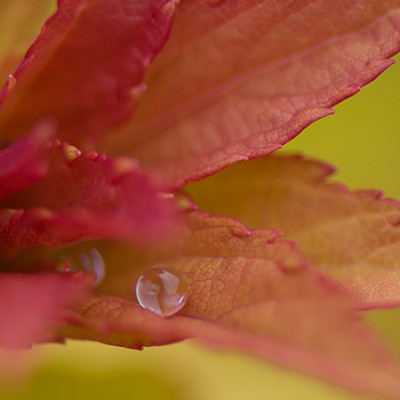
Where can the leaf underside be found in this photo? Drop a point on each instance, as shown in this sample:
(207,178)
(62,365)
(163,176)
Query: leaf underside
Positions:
(101,50)
(352,236)
(238,79)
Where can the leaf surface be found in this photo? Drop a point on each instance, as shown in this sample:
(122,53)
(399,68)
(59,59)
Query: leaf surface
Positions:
(23,162)
(238,79)
(30,305)
(352,236)
(87,194)
(86,67)
(249,290)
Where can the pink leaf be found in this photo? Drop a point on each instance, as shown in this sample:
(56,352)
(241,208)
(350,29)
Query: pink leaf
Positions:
(240,78)
(249,290)
(90,196)
(352,236)
(22,163)
(86,68)
(30,306)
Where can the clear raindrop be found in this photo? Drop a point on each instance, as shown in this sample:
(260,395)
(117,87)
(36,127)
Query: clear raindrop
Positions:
(162,290)
(93,262)
(89,261)
(11,83)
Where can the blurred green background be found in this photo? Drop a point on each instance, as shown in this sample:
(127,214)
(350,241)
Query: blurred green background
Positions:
(362,141)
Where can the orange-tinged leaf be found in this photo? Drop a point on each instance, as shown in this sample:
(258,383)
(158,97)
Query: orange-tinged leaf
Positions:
(249,290)
(114,321)
(238,79)
(86,68)
(352,236)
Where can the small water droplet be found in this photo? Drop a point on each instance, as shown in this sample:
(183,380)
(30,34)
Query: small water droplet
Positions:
(184,201)
(93,262)
(162,290)
(137,91)
(11,83)
(89,261)
(71,152)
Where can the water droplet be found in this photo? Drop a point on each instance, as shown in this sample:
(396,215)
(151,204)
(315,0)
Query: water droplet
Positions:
(11,83)
(184,201)
(93,262)
(137,91)
(89,261)
(162,290)
(71,152)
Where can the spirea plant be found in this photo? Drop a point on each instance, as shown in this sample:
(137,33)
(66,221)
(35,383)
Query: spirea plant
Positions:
(117,105)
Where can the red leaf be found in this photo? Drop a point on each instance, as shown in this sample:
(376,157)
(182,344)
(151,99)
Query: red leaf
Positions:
(240,78)
(86,67)
(352,236)
(22,163)
(30,305)
(251,291)
(89,196)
